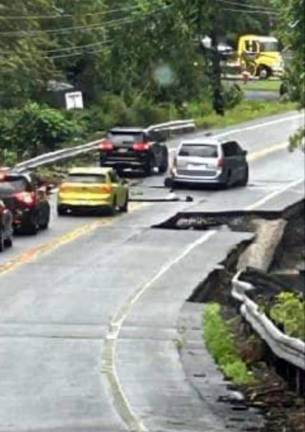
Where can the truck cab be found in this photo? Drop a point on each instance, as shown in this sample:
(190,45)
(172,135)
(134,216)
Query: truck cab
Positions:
(260,55)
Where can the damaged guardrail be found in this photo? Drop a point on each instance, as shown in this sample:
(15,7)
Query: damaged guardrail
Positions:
(285,347)
(168,128)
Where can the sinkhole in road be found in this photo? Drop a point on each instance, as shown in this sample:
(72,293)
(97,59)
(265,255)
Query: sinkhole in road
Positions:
(275,391)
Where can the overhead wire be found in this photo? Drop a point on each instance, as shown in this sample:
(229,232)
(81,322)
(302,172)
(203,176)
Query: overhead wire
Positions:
(33,33)
(249,6)
(257,12)
(46,17)
(78,50)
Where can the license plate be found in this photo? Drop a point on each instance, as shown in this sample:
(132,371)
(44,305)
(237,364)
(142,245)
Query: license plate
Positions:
(196,167)
(122,150)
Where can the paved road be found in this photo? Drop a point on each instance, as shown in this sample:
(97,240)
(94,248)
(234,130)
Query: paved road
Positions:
(88,310)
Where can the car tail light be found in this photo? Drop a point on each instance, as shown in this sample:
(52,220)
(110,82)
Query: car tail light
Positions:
(140,146)
(27,198)
(106,145)
(220,163)
(106,189)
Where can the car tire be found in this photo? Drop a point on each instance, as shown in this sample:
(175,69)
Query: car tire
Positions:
(8,242)
(32,225)
(61,211)
(164,163)
(169,182)
(149,165)
(2,242)
(227,182)
(45,224)
(244,181)
(124,208)
(113,208)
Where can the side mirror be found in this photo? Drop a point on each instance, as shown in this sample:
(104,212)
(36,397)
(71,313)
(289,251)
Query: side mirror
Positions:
(245,152)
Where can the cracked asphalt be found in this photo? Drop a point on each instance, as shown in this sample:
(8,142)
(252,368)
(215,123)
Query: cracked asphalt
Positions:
(89,310)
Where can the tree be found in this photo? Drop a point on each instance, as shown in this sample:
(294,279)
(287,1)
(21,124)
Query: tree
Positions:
(291,30)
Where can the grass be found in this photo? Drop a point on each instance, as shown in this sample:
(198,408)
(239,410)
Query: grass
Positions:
(220,343)
(259,85)
(245,111)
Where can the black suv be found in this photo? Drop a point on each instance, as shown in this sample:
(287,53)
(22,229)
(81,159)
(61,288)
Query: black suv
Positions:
(133,148)
(26,197)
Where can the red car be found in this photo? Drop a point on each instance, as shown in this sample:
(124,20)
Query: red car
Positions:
(26,197)
(6,227)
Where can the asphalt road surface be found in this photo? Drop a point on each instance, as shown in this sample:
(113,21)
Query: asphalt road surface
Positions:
(89,309)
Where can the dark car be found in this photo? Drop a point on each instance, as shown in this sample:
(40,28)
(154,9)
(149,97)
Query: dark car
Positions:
(6,227)
(133,148)
(26,197)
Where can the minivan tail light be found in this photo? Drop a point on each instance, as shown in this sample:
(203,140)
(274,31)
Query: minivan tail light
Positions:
(140,146)
(106,145)
(220,163)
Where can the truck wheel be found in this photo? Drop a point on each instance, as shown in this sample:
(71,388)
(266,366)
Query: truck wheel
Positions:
(264,73)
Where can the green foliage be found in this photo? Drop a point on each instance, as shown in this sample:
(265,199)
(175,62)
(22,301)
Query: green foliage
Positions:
(233,95)
(220,343)
(289,311)
(36,129)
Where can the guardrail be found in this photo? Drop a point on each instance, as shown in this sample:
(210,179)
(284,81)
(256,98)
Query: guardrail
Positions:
(287,348)
(168,129)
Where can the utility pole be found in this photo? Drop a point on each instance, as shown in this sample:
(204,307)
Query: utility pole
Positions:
(218,101)
(213,53)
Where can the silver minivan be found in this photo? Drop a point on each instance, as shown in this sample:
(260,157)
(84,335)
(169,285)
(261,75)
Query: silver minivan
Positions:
(209,160)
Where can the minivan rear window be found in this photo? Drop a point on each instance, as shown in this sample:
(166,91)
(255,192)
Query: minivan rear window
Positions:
(199,150)
(86,178)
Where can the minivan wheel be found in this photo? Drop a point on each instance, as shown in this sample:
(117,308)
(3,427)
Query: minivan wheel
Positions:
(169,182)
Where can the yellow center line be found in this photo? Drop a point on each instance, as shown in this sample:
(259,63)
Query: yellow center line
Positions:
(46,248)
(266,151)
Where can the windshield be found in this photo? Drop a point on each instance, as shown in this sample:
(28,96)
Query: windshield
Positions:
(86,178)
(199,150)
(11,186)
(270,46)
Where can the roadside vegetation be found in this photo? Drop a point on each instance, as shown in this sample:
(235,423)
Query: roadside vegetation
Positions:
(288,311)
(220,342)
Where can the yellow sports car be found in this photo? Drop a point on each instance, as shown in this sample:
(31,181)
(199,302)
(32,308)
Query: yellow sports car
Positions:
(92,189)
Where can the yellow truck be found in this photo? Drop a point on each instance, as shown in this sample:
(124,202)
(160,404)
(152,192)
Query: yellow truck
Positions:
(259,55)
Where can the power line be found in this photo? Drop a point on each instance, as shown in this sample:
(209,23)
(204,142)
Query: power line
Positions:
(246,6)
(251,11)
(33,33)
(76,54)
(46,17)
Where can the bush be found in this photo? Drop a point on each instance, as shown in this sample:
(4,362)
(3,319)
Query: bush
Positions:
(36,129)
(220,343)
(289,312)
(233,96)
